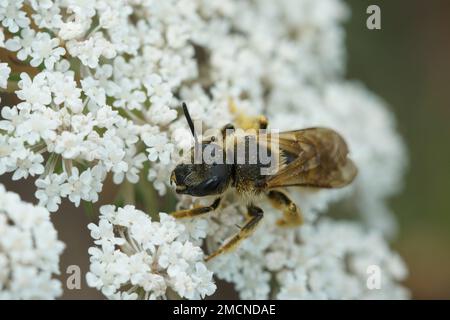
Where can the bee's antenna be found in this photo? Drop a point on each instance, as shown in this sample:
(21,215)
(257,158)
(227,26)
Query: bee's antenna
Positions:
(190,122)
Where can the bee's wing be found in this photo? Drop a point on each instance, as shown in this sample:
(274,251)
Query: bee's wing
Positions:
(315,157)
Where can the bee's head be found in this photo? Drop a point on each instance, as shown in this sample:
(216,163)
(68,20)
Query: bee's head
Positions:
(201,179)
(206,176)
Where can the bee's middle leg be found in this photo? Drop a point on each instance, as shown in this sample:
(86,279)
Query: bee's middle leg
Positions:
(292,215)
(189,213)
(255,215)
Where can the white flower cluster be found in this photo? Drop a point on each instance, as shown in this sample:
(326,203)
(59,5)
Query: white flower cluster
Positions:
(136,257)
(110,72)
(108,77)
(325,260)
(29,250)
(102,93)
(344,269)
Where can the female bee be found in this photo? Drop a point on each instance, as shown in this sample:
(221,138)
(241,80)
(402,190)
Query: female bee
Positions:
(313,157)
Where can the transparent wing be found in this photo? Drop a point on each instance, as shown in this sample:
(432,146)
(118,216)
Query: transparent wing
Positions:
(315,157)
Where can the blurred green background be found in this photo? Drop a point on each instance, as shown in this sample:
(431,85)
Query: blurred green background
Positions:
(407,63)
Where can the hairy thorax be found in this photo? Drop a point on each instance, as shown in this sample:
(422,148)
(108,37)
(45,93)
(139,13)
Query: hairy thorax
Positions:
(254,161)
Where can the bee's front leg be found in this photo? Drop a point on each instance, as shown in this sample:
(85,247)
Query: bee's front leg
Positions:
(255,215)
(291,213)
(194,212)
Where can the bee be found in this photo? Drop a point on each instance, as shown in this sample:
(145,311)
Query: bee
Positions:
(313,157)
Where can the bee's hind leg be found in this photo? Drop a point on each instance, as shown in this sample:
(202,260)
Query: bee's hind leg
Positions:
(292,215)
(255,215)
(226,129)
(263,123)
(194,212)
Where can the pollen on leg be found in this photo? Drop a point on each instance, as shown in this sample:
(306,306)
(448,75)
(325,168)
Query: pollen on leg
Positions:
(263,122)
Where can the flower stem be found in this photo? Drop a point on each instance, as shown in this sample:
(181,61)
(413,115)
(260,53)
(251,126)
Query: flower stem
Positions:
(128,192)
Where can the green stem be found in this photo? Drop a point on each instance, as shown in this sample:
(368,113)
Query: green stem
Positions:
(148,196)
(11,87)
(50,165)
(128,192)
(89,210)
